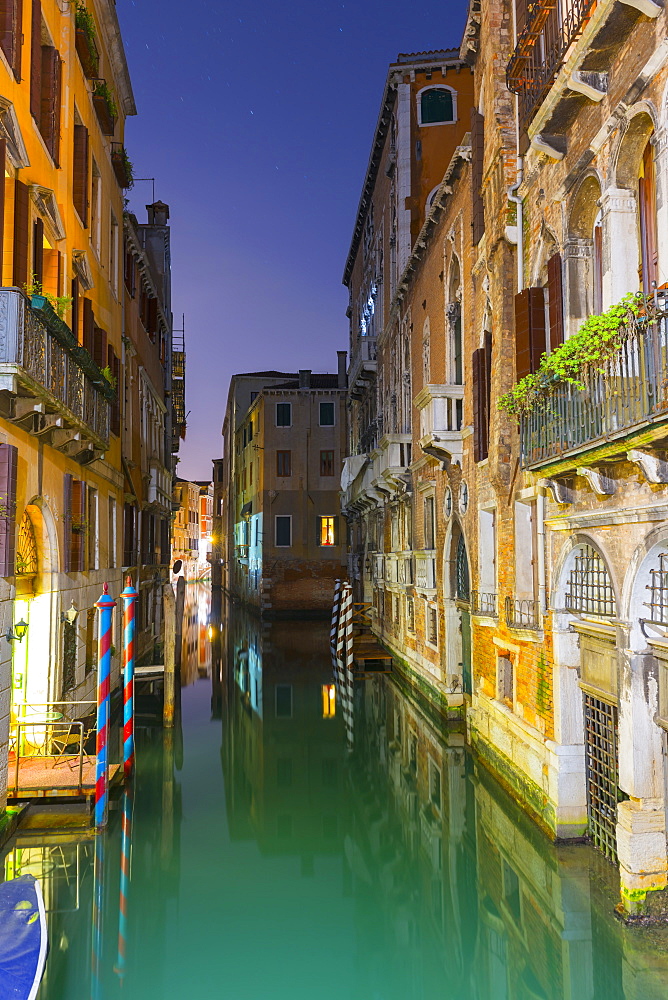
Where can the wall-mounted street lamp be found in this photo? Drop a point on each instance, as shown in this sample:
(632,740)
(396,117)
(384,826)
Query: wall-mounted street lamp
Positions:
(69,616)
(17,632)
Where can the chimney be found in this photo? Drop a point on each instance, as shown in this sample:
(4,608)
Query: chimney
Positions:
(343,378)
(158,213)
(304,378)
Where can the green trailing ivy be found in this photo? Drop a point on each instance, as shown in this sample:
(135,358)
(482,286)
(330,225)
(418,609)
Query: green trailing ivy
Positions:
(585,353)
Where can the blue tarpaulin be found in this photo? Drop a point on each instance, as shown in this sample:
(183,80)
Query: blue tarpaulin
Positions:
(23,938)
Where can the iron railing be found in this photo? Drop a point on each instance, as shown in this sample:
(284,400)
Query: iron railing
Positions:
(625,393)
(658,588)
(44,733)
(589,589)
(522,613)
(551,28)
(484,603)
(62,373)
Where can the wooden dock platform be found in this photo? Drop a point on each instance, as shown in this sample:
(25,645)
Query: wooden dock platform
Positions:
(369,656)
(38,778)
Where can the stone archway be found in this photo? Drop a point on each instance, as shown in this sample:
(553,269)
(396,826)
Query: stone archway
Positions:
(583,255)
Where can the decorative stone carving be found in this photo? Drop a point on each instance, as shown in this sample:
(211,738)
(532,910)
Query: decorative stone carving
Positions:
(601,484)
(559,491)
(654,469)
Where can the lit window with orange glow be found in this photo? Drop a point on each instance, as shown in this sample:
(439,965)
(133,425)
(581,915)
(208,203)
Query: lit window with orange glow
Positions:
(327,531)
(328,701)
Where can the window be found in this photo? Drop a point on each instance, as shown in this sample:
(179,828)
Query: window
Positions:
(647,205)
(80,191)
(326,463)
(113,254)
(504,680)
(429,525)
(432,625)
(487,549)
(284,414)
(434,785)
(250,430)
(253,397)
(91,617)
(397,610)
(482,382)
(284,701)
(327,414)
(589,588)
(111,525)
(283,463)
(410,614)
(284,772)
(45,85)
(436,105)
(283,530)
(10,34)
(327,530)
(95,208)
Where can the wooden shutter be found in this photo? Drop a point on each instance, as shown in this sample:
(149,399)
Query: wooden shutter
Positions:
(11,25)
(49,120)
(477,170)
(649,256)
(555,291)
(529,330)
(8,461)
(152,317)
(21,223)
(75,307)
(521,7)
(100,346)
(88,326)
(36,61)
(78,526)
(67,523)
(476,367)
(115,368)
(38,251)
(3,155)
(80,172)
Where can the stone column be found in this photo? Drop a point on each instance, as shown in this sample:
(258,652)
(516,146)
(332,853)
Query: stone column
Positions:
(641,820)
(578,283)
(620,244)
(567,758)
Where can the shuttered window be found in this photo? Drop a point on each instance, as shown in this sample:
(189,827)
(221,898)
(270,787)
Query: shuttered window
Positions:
(100,346)
(11,25)
(78,527)
(49,108)
(114,365)
(3,154)
(555,293)
(80,172)
(649,253)
(21,224)
(8,463)
(477,169)
(529,330)
(75,307)
(36,60)
(38,251)
(88,326)
(482,379)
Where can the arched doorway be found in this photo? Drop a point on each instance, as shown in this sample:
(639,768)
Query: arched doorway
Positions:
(456,600)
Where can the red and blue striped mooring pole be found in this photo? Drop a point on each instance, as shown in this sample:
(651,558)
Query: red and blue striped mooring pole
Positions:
(126,846)
(105,606)
(129,596)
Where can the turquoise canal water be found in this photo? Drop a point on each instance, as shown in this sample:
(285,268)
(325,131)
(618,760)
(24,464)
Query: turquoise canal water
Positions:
(287,842)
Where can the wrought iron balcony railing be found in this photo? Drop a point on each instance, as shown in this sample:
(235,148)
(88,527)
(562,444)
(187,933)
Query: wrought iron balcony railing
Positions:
(484,603)
(522,613)
(626,394)
(542,46)
(41,360)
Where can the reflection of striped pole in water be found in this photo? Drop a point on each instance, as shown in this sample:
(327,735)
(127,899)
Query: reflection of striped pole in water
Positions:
(126,844)
(349,628)
(105,606)
(341,626)
(129,596)
(336,610)
(98,902)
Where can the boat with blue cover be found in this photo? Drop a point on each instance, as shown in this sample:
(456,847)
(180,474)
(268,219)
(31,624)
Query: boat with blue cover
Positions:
(23,938)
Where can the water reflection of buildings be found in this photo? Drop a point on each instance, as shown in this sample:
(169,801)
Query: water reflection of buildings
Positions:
(196,636)
(283,743)
(465,884)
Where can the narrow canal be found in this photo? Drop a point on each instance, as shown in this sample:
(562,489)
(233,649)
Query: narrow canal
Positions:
(286,841)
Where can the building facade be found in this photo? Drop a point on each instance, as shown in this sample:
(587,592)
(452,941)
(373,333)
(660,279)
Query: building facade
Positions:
(186,528)
(515,557)
(284,439)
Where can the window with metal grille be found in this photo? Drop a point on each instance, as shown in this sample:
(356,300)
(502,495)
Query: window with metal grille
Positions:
(432,625)
(603,792)
(658,588)
(589,589)
(69,655)
(463,587)
(397,611)
(410,614)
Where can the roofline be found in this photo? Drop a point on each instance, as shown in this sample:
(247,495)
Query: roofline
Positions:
(438,58)
(117,57)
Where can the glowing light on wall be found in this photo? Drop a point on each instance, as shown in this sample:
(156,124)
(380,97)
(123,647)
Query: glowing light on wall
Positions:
(328,701)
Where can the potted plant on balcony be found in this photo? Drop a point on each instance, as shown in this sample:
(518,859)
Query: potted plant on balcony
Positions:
(85,41)
(122,165)
(51,310)
(105,107)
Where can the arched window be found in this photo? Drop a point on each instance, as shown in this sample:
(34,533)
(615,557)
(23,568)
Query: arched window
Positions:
(597,239)
(26,550)
(436,105)
(649,256)
(589,589)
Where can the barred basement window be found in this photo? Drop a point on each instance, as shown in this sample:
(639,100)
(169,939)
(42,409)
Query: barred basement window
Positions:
(397,611)
(589,586)
(410,614)
(658,588)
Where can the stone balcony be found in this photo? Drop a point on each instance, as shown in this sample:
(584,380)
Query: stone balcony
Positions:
(441,419)
(425,570)
(160,485)
(391,463)
(363,366)
(49,385)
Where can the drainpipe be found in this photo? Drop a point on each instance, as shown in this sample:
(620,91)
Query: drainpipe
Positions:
(540,540)
(514,197)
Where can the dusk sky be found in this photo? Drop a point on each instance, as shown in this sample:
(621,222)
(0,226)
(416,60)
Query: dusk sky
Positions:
(256,122)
